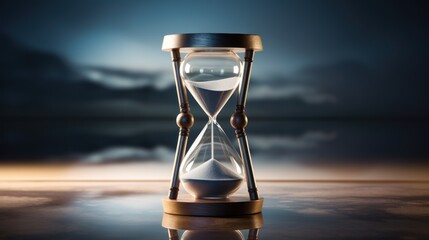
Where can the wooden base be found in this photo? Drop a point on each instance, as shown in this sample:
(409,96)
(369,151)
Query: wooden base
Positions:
(254,221)
(233,206)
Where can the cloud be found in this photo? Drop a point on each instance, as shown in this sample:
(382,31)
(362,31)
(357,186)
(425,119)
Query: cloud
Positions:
(121,79)
(19,202)
(309,139)
(315,211)
(410,210)
(337,88)
(310,95)
(127,154)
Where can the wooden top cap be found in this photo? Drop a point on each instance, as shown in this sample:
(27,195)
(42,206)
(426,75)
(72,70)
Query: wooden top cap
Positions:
(234,41)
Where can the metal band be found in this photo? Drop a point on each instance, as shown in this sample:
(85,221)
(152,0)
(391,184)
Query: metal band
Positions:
(239,108)
(238,42)
(240,132)
(184,132)
(184,107)
(174,191)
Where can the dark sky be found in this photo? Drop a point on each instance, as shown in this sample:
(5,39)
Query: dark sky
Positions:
(296,33)
(321,58)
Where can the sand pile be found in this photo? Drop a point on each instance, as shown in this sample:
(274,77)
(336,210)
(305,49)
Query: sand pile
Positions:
(211,180)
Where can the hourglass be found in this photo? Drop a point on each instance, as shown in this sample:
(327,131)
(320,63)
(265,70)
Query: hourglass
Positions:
(212,170)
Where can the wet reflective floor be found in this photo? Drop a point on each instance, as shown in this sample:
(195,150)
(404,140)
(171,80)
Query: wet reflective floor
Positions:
(292,210)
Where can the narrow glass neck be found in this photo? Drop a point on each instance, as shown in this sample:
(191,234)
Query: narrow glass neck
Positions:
(212,119)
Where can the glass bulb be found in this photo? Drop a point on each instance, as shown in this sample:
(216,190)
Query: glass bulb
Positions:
(211,169)
(211,77)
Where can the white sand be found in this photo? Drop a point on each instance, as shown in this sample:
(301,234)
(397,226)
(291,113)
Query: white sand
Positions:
(211,170)
(225,84)
(211,180)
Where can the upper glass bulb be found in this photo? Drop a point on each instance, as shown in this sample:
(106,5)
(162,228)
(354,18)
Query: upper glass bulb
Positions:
(211,77)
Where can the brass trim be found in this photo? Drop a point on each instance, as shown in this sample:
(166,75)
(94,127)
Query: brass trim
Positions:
(232,206)
(182,222)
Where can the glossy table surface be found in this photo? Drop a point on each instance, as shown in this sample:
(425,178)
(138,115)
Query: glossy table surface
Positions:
(292,210)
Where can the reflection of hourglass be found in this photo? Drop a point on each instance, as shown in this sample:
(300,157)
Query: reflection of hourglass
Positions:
(212,170)
(207,228)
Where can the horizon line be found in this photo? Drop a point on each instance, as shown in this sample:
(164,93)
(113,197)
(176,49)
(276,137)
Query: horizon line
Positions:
(262,180)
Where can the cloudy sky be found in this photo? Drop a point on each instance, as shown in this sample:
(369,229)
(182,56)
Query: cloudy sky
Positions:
(322,59)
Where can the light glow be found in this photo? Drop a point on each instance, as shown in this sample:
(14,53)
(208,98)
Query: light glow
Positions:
(162,171)
(236,70)
(187,68)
